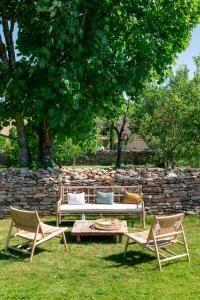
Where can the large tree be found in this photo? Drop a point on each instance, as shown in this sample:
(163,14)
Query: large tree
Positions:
(82,56)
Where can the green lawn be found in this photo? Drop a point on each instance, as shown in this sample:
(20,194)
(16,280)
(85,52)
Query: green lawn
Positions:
(95,269)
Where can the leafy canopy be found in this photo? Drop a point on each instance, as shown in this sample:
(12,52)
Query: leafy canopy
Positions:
(83,55)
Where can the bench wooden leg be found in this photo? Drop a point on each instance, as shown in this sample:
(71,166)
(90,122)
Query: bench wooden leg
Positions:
(143,216)
(120,238)
(57,219)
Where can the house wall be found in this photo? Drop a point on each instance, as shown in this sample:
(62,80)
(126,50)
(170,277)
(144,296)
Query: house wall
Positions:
(164,191)
(6,130)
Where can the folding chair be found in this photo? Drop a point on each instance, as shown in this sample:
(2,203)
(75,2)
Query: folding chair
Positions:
(164,232)
(30,227)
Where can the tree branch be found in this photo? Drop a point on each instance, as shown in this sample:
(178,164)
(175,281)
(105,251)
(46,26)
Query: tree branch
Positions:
(8,137)
(84,17)
(9,40)
(13,20)
(3,54)
(124,120)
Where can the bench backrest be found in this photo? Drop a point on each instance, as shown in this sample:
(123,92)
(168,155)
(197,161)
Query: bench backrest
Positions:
(90,191)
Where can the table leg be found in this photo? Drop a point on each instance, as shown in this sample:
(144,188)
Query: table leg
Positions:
(78,238)
(120,238)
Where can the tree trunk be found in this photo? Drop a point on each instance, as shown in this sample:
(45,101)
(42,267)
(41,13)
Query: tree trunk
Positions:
(169,161)
(23,148)
(112,139)
(46,144)
(119,153)
(119,133)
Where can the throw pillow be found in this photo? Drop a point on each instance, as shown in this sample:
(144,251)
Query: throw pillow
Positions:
(104,198)
(132,198)
(76,199)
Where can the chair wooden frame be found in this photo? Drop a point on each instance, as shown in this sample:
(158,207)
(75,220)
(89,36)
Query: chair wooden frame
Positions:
(163,232)
(30,227)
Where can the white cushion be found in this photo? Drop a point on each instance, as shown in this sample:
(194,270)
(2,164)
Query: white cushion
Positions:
(76,199)
(100,208)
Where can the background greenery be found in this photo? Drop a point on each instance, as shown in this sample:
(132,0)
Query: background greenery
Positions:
(167,117)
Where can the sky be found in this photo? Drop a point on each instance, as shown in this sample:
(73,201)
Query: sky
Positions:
(193,49)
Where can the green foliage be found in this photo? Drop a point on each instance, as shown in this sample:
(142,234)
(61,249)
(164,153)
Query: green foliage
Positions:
(66,149)
(10,150)
(167,118)
(33,146)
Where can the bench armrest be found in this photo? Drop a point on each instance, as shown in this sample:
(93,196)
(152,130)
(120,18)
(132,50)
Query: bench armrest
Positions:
(61,198)
(142,203)
(59,203)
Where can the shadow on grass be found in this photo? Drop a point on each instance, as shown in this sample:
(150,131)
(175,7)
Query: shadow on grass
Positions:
(132,259)
(13,255)
(88,240)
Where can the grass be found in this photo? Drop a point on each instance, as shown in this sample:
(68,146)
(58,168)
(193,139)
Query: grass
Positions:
(95,269)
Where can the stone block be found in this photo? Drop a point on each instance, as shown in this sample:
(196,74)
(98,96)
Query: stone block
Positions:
(197,180)
(3,186)
(40,195)
(180,194)
(167,191)
(195,198)
(27,189)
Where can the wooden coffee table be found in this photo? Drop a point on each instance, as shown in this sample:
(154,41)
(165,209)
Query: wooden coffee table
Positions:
(86,228)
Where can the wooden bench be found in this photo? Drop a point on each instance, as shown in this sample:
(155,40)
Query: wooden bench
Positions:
(92,208)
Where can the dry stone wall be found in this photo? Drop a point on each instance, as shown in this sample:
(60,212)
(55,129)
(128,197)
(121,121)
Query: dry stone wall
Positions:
(164,191)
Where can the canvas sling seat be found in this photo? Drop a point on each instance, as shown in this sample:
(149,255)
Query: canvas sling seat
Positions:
(165,231)
(28,226)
